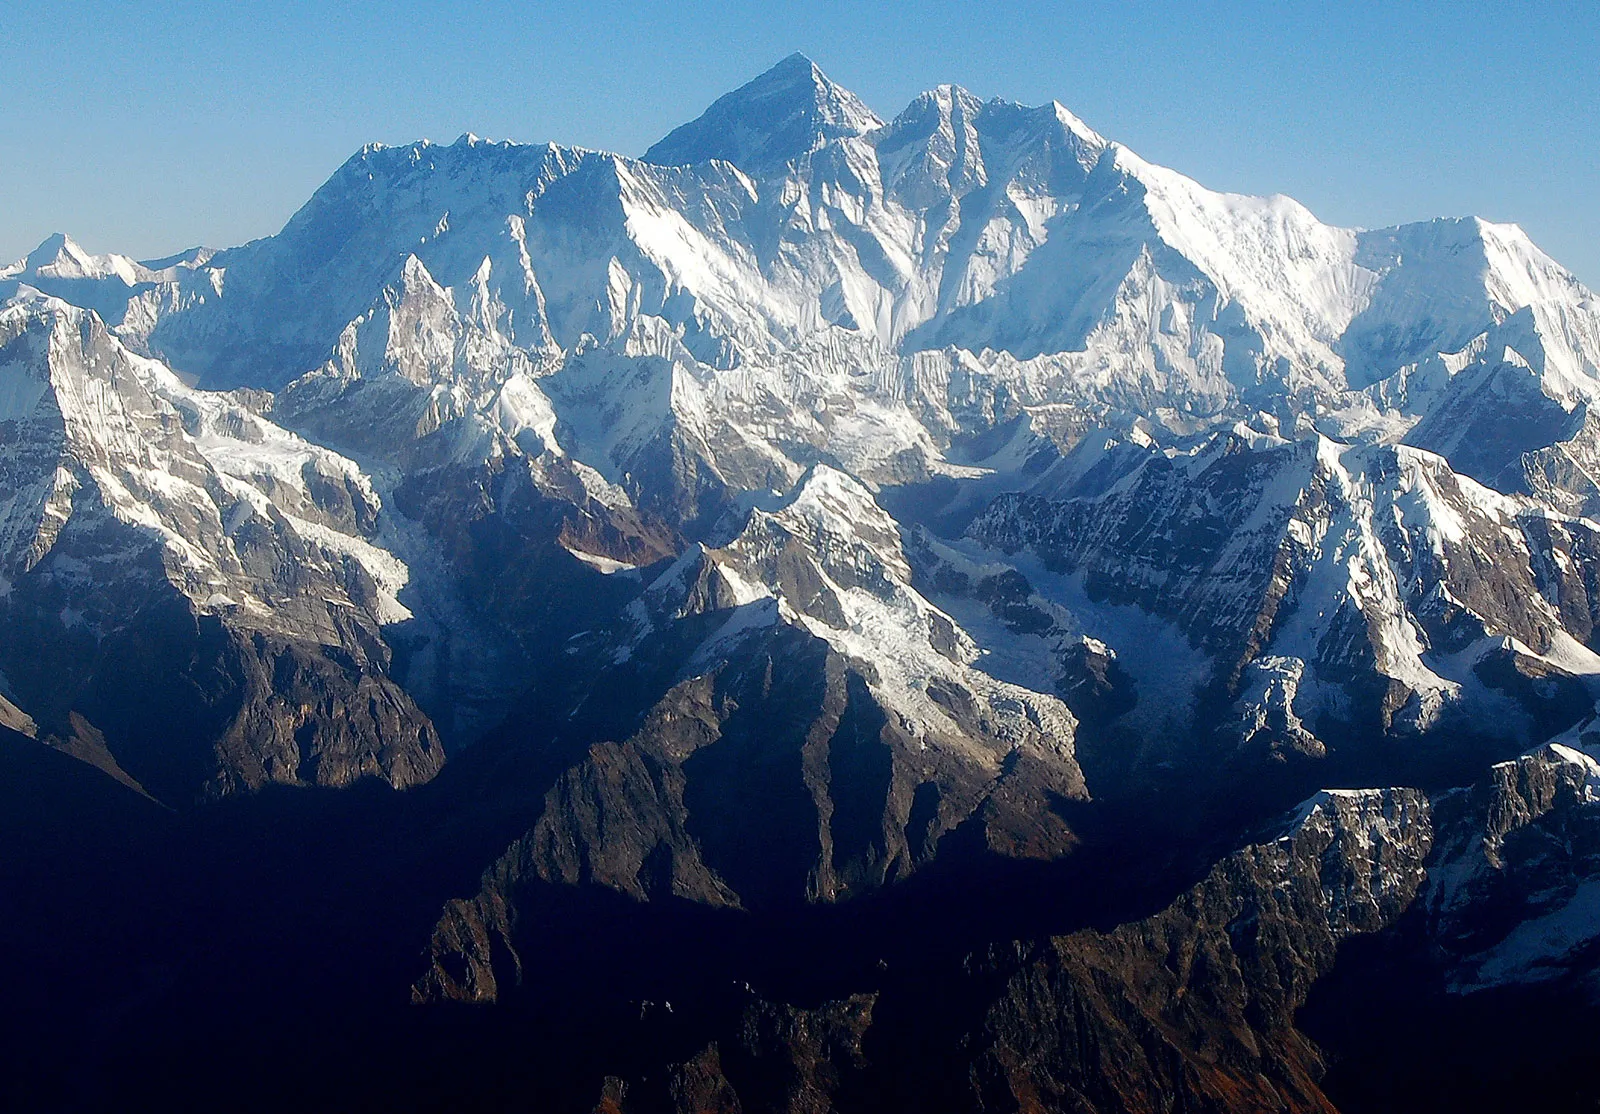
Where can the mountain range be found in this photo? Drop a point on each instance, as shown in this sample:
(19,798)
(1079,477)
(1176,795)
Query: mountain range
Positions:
(827,615)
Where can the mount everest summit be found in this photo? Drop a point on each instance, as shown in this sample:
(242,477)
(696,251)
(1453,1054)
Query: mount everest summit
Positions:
(815,527)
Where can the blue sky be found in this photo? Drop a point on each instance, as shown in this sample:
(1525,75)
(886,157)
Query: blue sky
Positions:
(148,127)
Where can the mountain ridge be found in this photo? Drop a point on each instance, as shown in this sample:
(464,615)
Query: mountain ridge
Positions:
(868,554)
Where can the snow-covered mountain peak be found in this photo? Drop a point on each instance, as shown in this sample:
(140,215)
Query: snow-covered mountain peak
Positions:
(932,148)
(1074,124)
(60,257)
(769,122)
(100,432)
(882,291)
(126,495)
(1271,254)
(947,143)
(831,559)
(186,260)
(842,522)
(1446,281)
(938,107)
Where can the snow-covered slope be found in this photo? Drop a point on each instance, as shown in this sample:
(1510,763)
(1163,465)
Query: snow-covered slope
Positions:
(763,126)
(938,274)
(174,541)
(1352,589)
(832,562)
(593,362)
(128,295)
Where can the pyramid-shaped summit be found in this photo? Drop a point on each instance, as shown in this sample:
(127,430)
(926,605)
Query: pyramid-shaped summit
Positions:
(769,122)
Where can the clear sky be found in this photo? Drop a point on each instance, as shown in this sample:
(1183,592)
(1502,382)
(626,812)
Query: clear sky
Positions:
(148,127)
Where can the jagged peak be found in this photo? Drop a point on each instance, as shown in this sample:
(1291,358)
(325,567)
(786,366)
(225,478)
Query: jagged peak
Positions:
(30,304)
(829,504)
(414,272)
(467,149)
(769,122)
(60,257)
(1354,809)
(1583,760)
(1452,234)
(931,110)
(796,66)
(416,283)
(993,117)
(1074,124)
(948,96)
(823,488)
(30,307)
(188,259)
(53,247)
(1474,275)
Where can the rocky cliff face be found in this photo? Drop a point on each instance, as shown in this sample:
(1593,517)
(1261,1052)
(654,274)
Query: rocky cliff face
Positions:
(1510,896)
(1194,1006)
(1338,594)
(1199,1004)
(190,591)
(1199,1001)
(808,728)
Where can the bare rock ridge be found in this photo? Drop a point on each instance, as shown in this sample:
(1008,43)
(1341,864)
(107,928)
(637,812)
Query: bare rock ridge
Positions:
(1198,1003)
(1195,1004)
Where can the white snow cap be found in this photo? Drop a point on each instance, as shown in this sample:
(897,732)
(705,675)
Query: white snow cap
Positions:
(787,112)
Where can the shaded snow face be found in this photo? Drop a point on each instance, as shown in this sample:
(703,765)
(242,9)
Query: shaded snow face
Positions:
(1511,894)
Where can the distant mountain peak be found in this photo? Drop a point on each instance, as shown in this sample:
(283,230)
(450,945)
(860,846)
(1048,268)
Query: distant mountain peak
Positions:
(60,257)
(56,250)
(797,63)
(1074,123)
(784,114)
